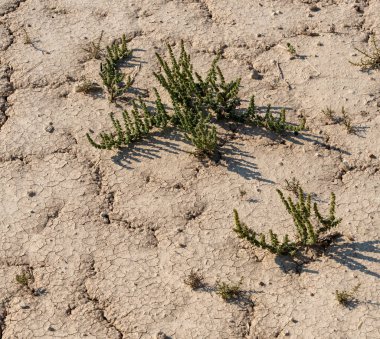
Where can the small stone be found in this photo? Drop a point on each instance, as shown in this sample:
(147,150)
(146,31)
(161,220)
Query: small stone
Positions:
(24,306)
(372,156)
(364,37)
(314,8)
(319,43)
(51,329)
(261,283)
(317,155)
(105,217)
(259,35)
(255,75)
(49,128)
(31,194)
(281,163)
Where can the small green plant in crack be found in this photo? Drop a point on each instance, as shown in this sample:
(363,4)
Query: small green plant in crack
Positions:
(94,49)
(25,278)
(292,185)
(346,298)
(195,280)
(228,291)
(371,59)
(291,49)
(309,224)
(347,122)
(135,125)
(86,86)
(329,113)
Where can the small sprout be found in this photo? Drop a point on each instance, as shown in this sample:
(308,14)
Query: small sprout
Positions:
(329,113)
(93,49)
(228,291)
(22,279)
(194,280)
(86,86)
(292,185)
(346,298)
(27,39)
(347,122)
(291,49)
(371,59)
(242,192)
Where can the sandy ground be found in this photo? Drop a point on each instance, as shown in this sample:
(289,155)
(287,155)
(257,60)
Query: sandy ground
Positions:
(122,277)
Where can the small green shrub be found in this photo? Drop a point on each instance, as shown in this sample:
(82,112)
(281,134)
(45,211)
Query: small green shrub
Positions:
(194,280)
(203,137)
(309,224)
(136,125)
(291,49)
(118,50)
(371,59)
(113,79)
(346,298)
(228,291)
(94,49)
(269,121)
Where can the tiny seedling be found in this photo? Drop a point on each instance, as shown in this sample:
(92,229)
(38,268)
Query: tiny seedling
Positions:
(94,49)
(25,279)
(194,280)
(291,49)
(347,122)
(329,113)
(292,185)
(346,298)
(86,86)
(228,291)
(27,39)
(309,228)
(371,59)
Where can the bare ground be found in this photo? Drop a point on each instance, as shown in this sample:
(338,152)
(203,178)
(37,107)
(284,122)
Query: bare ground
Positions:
(109,237)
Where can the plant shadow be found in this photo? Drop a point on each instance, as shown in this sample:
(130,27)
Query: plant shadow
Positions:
(354,255)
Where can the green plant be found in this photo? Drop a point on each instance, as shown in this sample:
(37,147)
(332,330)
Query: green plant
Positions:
(189,90)
(291,49)
(194,280)
(345,298)
(136,125)
(371,59)
(292,185)
(25,278)
(329,113)
(118,50)
(86,86)
(203,137)
(309,224)
(269,121)
(27,39)
(113,80)
(347,122)
(93,49)
(228,291)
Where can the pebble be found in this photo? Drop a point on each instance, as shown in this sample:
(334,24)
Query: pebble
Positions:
(49,128)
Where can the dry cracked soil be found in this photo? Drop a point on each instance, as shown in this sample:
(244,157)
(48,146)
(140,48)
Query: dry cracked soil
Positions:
(105,239)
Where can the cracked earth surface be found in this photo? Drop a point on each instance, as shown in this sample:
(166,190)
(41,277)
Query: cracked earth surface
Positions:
(110,236)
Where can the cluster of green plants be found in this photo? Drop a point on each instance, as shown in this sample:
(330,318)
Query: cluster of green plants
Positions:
(345,297)
(228,291)
(113,79)
(309,225)
(196,101)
